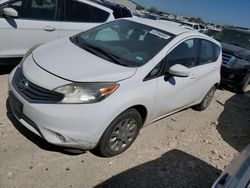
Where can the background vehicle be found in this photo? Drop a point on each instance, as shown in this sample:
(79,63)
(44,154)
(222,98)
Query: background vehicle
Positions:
(235,71)
(79,103)
(193,25)
(236,174)
(210,32)
(154,17)
(25,23)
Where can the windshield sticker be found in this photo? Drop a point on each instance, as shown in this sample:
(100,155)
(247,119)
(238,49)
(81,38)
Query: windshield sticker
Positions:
(139,58)
(160,34)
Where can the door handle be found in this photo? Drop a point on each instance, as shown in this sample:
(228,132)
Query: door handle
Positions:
(49,28)
(193,76)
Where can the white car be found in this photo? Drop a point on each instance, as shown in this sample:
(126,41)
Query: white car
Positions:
(95,90)
(195,26)
(25,23)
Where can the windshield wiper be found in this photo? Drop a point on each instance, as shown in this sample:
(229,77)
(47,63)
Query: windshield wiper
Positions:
(85,46)
(93,49)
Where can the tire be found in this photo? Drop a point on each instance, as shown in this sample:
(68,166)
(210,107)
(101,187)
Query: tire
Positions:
(206,100)
(120,134)
(243,86)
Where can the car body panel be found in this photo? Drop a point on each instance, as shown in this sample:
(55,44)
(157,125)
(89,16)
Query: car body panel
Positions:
(19,35)
(237,173)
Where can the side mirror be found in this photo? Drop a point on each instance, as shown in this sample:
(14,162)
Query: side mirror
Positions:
(179,70)
(10,12)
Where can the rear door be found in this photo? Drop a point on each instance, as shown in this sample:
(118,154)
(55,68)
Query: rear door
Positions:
(79,16)
(36,24)
(207,71)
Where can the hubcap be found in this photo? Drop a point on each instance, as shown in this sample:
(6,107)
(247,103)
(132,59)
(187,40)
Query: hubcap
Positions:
(123,135)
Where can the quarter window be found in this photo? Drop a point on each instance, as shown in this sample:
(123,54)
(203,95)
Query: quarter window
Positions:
(77,12)
(99,15)
(184,54)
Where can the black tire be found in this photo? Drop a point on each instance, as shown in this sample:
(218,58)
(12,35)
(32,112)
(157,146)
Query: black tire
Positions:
(120,134)
(206,100)
(243,86)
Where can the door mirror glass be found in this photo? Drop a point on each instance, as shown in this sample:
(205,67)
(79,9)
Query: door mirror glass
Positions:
(179,70)
(10,12)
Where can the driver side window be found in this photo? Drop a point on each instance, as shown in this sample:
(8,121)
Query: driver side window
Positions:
(35,9)
(185,54)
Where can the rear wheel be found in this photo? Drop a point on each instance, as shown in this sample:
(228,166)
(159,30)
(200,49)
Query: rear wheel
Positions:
(120,134)
(206,100)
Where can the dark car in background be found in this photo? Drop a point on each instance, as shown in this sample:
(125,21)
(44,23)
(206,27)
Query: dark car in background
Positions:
(210,32)
(237,173)
(235,70)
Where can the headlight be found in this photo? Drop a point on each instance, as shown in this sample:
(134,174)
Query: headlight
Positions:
(77,93)
(28,54)
(240,64)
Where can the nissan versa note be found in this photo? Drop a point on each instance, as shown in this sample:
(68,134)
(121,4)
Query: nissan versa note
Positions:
(95,90)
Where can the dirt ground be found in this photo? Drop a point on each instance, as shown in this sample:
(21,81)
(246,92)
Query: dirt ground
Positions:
(187,149)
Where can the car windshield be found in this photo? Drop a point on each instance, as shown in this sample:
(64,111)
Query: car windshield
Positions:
(234,37)
(124,42)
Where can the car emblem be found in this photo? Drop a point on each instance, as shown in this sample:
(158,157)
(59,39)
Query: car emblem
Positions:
(22,84)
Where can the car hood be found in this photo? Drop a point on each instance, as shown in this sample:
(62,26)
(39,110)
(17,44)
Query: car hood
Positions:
(235,50)
(68,61)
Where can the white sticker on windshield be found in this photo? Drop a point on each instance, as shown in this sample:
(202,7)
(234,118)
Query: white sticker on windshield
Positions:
(160,34)
(139,58)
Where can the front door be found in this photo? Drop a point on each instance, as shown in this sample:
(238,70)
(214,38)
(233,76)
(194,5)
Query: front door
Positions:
(175,92)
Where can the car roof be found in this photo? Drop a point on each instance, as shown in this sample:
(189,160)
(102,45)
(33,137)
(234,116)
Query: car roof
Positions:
(166,26)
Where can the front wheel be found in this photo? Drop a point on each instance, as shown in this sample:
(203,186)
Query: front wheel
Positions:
(206,100)
(120,134)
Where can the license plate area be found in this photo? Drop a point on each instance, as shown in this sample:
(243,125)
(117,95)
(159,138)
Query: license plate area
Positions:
(16,105)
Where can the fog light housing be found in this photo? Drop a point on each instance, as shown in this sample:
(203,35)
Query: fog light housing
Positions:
(60,137)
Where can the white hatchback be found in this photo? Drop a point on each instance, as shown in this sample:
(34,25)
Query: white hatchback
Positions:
(95,90)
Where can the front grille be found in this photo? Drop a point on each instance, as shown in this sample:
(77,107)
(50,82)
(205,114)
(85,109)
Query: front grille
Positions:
(227,58)
(33,93)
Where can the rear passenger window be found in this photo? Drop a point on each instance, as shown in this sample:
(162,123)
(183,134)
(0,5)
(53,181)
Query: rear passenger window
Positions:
(207,52)
(217,50)
(99,15)
(77,12)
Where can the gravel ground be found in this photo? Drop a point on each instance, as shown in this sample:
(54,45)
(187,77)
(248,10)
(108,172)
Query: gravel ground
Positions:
(187,149)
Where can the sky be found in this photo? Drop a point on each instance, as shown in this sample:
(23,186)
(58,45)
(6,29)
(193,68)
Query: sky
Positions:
(230,12)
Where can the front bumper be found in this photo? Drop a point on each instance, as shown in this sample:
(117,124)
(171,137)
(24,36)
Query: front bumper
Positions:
(69,125)
(232,77)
